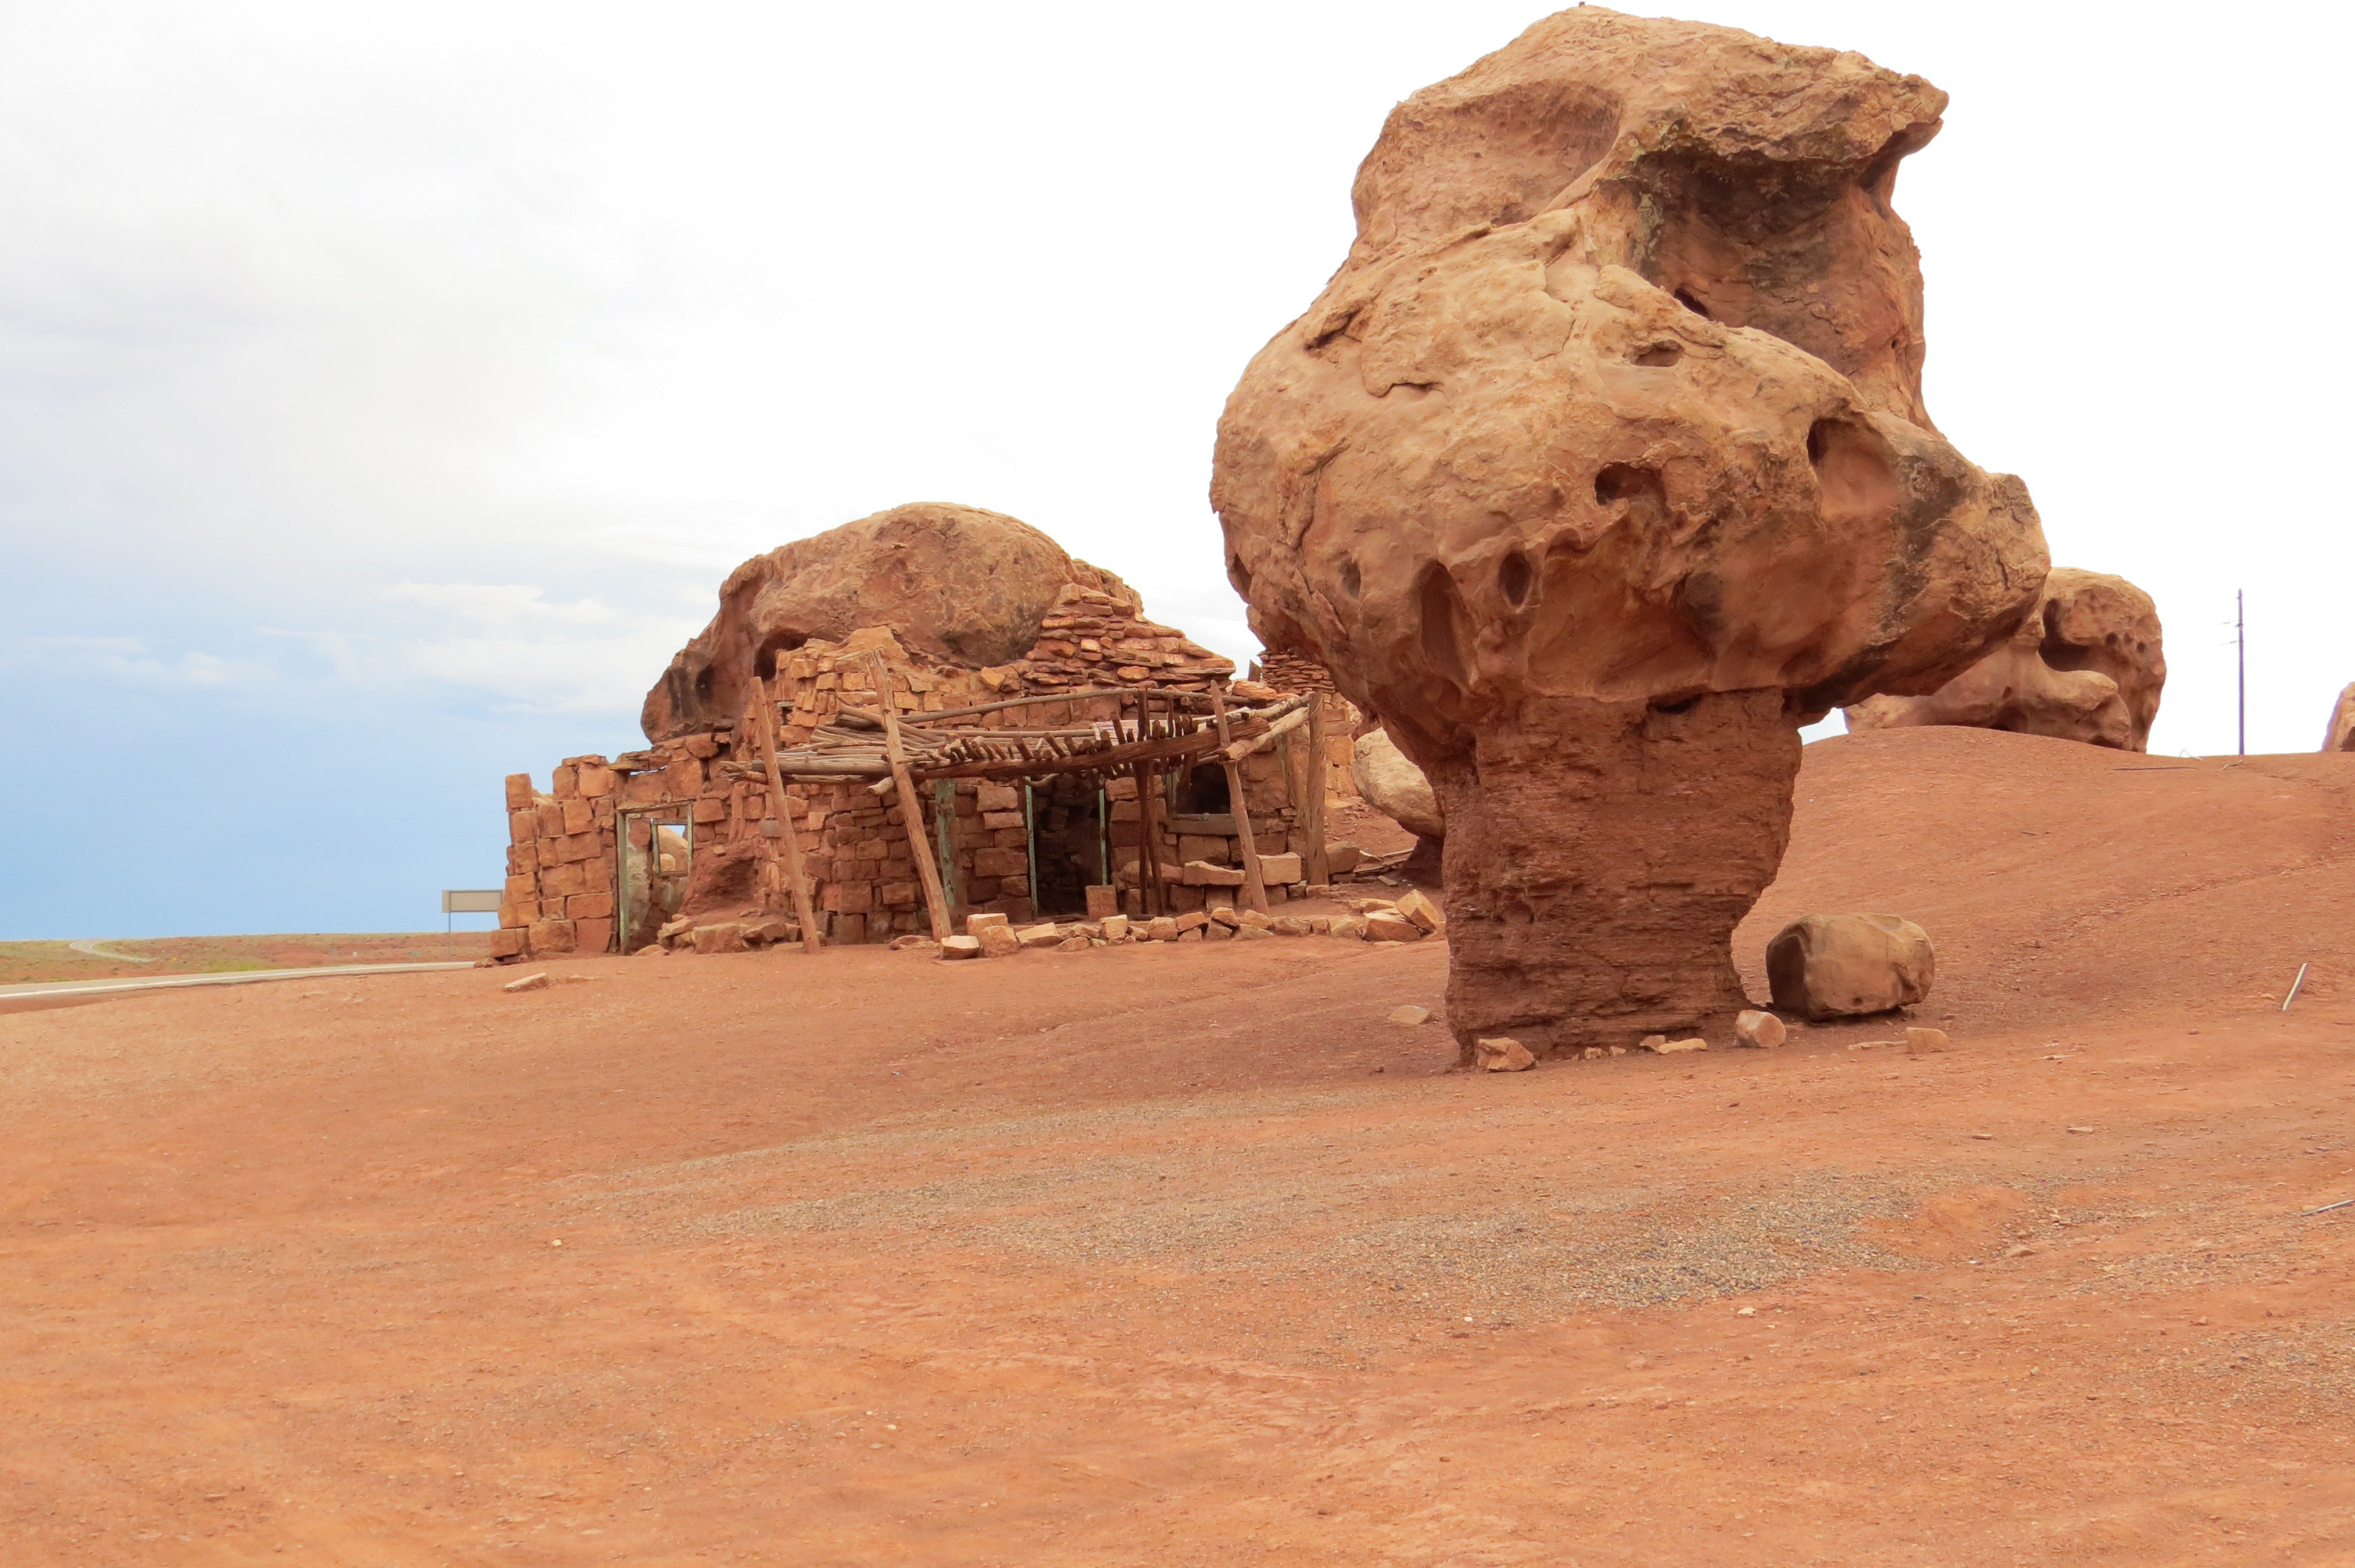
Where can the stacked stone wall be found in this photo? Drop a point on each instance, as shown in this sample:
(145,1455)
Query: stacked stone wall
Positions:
(564,855)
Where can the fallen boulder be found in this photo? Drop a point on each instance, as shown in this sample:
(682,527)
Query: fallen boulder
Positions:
(961,948)
(1754,1028)
(1391,784)
(1849,966)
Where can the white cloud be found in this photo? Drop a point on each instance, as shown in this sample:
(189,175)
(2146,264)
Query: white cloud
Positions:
(125,661)
(510,643)
(301,300)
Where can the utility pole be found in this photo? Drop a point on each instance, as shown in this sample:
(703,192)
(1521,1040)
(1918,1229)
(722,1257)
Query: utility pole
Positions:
(2240,656)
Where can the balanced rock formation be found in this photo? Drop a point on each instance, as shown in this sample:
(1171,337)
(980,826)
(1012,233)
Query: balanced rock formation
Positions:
(2087,666)
(1391,784)
(1850,965)
(958,587)
(1599,466)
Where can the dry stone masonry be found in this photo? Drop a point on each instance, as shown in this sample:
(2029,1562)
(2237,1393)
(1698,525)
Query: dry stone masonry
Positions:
(668,846)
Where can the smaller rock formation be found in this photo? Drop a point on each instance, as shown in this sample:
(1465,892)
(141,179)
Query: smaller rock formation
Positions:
(1762,1030)
(1849,966)
(2087,666)
(1391,784)
(2340,735)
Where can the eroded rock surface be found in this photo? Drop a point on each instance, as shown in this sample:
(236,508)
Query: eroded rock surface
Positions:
(2088,665)
(1601,464)
(957,585)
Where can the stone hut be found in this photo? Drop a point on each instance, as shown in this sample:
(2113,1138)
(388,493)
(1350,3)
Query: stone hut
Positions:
(1040,778)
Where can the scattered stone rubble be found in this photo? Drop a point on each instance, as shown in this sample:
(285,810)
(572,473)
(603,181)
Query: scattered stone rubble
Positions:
(1409,919)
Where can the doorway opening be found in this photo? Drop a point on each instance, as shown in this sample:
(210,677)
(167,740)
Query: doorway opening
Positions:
(657,851)
(1069,847)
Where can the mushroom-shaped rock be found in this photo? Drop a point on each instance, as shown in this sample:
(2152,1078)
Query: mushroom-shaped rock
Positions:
(955,584)
(1388,781)
(2087,666)
(1599,466)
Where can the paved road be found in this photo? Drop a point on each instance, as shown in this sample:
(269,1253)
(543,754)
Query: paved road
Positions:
(234,977)
(98,949)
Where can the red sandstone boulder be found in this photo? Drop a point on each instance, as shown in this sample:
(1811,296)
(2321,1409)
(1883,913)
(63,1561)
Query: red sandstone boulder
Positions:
(2087,666)
(1849,966)
(1391,784)
(1599,466)
(957,585)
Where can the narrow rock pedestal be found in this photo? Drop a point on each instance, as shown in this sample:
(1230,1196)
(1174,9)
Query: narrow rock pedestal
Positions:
(1599,856)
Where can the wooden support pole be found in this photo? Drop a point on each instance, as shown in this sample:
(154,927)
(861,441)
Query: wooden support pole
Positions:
(1255,884)
(1312,809)
(1149,895)
(789,831)
(911,808)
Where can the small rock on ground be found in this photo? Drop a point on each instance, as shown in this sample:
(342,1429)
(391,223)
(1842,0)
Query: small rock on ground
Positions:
(1502,1056)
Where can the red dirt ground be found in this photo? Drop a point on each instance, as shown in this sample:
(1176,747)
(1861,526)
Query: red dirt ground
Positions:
(1182,1255)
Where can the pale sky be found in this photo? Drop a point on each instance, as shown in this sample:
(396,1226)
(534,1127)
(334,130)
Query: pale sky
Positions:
(385,389)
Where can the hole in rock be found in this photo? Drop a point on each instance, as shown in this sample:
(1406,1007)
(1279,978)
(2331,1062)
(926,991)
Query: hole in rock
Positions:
(1624,480)
(1685,298)
(1513,577)
(1239,574)
(1660,353)
(1446,625)
(1351,583)
(2057,651)
(1677,705)
(1852,469)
